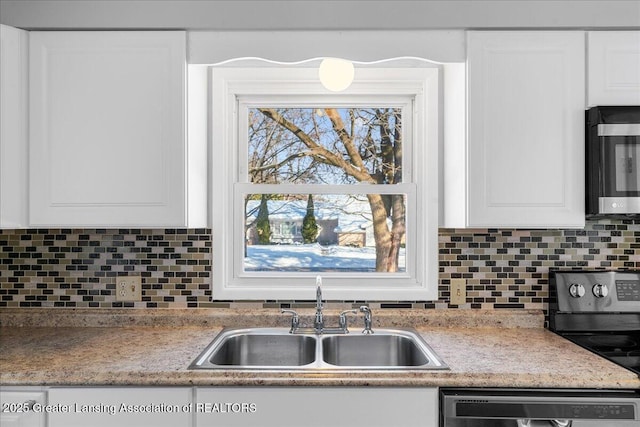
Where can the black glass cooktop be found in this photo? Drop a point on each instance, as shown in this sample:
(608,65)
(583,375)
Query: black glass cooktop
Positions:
(621,348)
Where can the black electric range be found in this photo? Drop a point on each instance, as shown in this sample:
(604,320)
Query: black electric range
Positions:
(600,311)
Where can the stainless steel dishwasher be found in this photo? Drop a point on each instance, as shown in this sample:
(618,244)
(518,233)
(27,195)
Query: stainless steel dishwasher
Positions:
(539,408)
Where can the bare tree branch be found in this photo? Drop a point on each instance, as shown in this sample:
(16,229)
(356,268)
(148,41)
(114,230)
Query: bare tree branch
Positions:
(318,152)
(347,141)
(279,164)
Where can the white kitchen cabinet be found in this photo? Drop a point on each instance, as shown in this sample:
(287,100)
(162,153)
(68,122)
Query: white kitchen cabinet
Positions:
(108,144)
(613,68)
(22,407)
(119,406)
(14,75)
(316,406)
(523,156)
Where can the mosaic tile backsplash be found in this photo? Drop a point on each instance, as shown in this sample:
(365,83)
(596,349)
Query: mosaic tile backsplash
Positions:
(504,268)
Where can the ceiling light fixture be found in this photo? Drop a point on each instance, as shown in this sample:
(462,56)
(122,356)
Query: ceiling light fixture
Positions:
(336,74)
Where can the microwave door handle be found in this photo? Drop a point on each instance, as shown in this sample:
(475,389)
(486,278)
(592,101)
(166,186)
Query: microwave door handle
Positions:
(619,129)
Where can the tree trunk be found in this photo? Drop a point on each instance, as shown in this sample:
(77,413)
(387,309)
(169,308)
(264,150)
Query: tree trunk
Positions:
(388,242)
(381,232)
(398,229)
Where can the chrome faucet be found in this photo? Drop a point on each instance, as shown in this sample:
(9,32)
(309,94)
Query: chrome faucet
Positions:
(318,323)
(342,320)
(295,320)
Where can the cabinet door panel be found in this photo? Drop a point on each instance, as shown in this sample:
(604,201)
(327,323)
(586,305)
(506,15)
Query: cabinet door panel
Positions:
(107,128)
(311,406)
(14,76)
(122,407)
(525,136)
(614,68)
(18,408)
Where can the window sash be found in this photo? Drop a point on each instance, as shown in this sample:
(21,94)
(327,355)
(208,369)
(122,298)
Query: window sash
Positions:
(245,103)
(412,225)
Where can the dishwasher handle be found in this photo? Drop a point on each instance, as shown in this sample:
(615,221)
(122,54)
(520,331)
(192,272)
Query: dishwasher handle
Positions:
(526,422)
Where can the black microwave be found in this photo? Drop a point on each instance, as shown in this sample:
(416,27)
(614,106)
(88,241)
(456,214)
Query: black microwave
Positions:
(613,160)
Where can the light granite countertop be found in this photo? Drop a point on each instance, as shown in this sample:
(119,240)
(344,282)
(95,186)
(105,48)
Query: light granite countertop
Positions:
(482,349)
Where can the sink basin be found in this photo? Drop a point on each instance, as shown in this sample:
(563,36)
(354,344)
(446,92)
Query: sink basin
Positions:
(373,350)
(276,348)
(258,348)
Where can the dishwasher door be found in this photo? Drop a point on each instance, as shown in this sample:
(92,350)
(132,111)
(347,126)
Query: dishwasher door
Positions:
(539,408)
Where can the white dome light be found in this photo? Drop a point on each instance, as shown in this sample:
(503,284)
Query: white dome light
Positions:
(336,74)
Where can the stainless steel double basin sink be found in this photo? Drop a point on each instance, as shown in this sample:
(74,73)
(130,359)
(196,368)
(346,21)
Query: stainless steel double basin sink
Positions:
(278,349)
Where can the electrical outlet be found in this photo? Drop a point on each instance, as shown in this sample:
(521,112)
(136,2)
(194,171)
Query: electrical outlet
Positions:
(458,290)
(129,288)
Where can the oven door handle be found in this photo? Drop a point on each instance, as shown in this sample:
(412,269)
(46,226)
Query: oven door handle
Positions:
(526,422)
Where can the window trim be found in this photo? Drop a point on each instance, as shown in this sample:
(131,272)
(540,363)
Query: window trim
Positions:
(228,85)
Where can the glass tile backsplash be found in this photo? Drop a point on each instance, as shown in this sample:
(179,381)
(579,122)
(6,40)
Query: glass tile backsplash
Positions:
(504,268)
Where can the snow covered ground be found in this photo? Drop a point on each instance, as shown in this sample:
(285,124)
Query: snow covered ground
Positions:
(312,257)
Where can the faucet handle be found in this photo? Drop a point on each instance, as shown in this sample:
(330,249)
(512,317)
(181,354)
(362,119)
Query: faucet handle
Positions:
(342,320)
(367,319)
(295,319)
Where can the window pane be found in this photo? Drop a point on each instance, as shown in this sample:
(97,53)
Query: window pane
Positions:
(325,233)
(325,145)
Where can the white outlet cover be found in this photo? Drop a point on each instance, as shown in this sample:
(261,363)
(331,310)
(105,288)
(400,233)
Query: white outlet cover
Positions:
(128,288)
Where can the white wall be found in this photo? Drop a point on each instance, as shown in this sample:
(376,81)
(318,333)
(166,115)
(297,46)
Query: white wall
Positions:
(319,15)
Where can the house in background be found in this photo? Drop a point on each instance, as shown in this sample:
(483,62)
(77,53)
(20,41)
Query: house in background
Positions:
(336,225)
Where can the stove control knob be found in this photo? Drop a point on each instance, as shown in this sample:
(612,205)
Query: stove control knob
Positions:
(600,291)
(576,290)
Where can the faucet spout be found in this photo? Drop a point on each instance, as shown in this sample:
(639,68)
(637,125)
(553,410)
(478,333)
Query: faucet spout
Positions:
(318,324)
(319,321)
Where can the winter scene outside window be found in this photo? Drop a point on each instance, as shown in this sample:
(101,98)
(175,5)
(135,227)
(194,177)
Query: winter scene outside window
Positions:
(335,221)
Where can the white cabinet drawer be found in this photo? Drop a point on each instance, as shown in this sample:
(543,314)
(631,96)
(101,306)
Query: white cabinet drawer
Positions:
(22,408)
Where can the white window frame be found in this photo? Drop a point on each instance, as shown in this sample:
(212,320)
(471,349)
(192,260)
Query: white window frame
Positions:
(234,90)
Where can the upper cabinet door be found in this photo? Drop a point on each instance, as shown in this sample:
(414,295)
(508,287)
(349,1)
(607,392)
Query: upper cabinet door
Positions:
(525,140)
(614,68)
(107,128)
(14,144)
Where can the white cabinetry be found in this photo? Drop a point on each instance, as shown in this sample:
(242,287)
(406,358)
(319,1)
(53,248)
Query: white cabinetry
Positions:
(107,129)
(122,407)
(22,408)
(613,68)
(221,406)
(316,406)
(524,155)
(14,45)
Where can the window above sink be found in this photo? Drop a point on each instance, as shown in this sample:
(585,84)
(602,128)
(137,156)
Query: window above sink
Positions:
(360,165)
